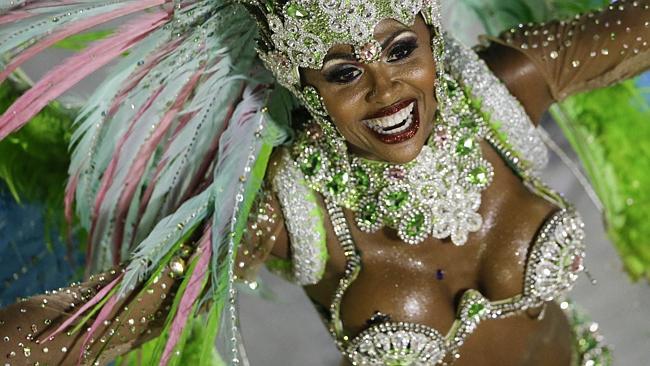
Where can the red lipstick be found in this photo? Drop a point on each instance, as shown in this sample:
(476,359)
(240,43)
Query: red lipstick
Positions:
(402,136)
(391,109)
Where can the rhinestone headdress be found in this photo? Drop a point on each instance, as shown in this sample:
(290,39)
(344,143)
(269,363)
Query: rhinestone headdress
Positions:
(301,32)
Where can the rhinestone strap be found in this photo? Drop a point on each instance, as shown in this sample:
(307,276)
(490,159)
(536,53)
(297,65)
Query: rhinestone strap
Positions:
(507,115)
(304,222)
(352,269)
(590,346)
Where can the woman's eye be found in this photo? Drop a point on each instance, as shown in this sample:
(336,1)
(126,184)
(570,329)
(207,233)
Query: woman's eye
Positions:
(402,50)
(344,75)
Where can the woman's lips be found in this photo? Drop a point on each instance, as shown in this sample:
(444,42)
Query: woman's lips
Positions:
(391,109)
(405,123)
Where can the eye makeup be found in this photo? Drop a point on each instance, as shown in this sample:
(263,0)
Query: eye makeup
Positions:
(402,47)
(343,68)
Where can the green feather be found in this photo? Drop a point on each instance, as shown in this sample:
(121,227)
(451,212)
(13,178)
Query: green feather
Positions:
(79,42)
(35,159)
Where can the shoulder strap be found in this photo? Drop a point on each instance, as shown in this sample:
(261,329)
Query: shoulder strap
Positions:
(502,111)
(304,220)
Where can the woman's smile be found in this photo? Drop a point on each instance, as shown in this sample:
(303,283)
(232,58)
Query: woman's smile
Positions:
(384,109)
(396,123)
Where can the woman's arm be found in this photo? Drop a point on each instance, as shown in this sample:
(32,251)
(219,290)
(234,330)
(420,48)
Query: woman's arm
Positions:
(266,237)
(135,319)
(25,325)
(544,63)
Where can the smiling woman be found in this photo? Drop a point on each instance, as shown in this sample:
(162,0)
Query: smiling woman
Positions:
(410,205)
(370,102)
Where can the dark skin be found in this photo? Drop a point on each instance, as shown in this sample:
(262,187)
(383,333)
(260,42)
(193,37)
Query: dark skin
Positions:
(400,280)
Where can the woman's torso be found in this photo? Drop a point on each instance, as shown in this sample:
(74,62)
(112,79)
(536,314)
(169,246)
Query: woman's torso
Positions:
(423,283)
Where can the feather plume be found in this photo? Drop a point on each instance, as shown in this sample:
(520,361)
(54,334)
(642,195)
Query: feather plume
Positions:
(178,136)
(74,28)
(251,126)
(191,293)
(101,295)
(63,77)
(48,17)
(164,236)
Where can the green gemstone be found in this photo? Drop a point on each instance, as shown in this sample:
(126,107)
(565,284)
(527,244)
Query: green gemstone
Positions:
(469,123)
(479,176)
(338,183)
(475,309)
(270,6)
(587,343)
(396,200)
(397,362)
(296,11)
(452,87)
(312,164)
(369,213)
(466,145)
(311,96)
(415,226)
(361,178)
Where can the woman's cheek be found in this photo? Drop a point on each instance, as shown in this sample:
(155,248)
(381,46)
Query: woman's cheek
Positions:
(344,105)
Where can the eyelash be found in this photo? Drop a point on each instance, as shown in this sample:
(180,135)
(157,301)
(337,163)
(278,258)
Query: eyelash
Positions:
(405,47)
(347,74)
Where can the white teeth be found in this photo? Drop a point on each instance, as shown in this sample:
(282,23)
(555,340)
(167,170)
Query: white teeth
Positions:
(388,125)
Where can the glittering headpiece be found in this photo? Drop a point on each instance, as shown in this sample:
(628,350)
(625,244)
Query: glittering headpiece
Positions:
(299,33)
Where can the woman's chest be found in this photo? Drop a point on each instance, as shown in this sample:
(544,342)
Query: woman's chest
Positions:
(423,283)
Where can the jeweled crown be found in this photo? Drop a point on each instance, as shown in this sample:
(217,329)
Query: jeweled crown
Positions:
(299,33)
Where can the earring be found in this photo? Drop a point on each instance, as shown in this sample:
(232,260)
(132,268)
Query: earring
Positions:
(314,103)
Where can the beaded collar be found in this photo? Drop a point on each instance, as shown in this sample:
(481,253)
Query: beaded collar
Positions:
(437,194)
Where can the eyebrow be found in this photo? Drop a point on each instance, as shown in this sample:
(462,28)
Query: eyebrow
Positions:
(351,57)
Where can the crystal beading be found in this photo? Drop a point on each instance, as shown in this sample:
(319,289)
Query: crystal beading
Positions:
(507,115)
(438,194)
(304,222)
(548,276)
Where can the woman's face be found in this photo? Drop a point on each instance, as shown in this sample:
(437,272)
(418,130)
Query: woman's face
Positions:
(383,109)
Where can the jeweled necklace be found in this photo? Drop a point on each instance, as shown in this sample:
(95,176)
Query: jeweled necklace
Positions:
(437,194)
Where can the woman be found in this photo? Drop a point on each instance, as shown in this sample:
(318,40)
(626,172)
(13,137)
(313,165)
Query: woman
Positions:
(408,204)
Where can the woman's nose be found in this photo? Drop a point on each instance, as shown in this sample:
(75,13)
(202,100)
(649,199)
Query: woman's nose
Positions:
(383,86)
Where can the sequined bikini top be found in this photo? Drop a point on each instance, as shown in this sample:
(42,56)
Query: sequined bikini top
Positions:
(554,259)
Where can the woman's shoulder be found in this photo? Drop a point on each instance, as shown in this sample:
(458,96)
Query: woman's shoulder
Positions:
(520,75)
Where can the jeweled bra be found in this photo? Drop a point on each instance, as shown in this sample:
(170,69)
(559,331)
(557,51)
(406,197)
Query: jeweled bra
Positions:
(554,259)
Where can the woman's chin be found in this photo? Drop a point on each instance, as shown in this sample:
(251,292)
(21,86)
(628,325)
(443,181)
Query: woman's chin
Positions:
(403,156)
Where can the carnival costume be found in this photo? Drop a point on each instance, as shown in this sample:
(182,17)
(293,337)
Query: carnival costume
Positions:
(171,152)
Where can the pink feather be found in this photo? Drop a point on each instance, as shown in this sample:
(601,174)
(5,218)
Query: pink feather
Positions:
(96,299)
(63,77)
(15,16)
(109,174)
(210,155)
(22,12)
(104,314)
(141,72)
(144,154)
(74,28)
(192,292)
